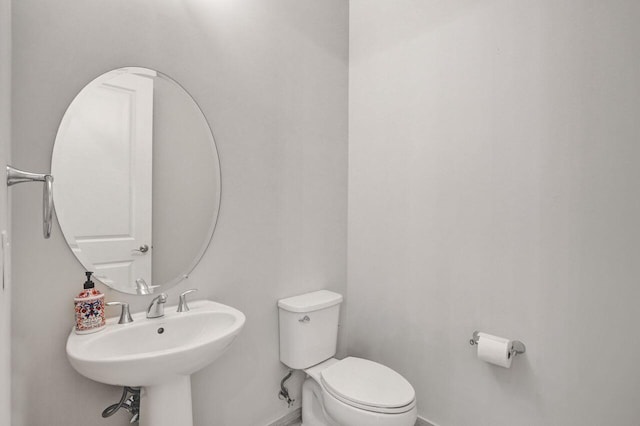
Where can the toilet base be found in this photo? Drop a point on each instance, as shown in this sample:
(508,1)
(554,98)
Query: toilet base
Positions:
(315,411)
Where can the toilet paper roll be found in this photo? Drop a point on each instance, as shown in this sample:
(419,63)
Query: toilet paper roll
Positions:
(494,350)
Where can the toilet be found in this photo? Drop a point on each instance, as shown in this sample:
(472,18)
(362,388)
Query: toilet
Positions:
(348,392)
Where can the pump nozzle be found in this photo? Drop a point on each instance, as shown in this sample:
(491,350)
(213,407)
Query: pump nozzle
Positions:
(88,283)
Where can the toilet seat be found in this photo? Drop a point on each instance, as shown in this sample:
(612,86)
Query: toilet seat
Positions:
(369,386)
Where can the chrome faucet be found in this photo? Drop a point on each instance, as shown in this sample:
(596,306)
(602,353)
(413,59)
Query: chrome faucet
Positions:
(156,307)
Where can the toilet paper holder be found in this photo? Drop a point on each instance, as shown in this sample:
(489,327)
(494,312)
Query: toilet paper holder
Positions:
(517,347)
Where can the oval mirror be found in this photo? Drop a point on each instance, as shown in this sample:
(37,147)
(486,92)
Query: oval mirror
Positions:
(136,180)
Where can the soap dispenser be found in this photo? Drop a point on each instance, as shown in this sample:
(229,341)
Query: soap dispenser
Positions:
(89,308)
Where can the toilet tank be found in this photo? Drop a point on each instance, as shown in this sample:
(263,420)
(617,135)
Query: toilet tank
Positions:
(308,328)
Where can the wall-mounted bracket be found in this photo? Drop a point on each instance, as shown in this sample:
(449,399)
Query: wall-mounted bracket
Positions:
(15,176)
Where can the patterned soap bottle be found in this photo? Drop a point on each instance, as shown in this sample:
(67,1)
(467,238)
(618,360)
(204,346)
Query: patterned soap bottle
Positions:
(89,308)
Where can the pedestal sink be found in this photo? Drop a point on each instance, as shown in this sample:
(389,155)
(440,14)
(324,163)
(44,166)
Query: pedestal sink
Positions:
(159,355)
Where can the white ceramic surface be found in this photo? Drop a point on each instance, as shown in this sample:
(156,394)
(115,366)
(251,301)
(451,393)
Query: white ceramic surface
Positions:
(136,354)
(158,354)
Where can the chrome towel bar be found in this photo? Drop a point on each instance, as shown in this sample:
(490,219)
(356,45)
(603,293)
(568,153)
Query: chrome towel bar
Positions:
(15,176)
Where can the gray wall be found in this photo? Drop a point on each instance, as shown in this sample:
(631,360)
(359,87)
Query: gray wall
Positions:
(493,185)
(5,138)
(271,78)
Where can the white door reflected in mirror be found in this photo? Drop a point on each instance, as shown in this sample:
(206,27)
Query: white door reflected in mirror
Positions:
(116,115)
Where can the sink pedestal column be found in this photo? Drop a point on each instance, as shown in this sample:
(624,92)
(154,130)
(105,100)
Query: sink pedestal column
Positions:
(167,404)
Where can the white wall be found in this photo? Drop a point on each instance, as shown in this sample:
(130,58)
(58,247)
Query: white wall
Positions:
(493,185)
(271,77)
(5,138)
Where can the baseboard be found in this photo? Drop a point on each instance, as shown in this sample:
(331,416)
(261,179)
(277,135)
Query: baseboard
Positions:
(291,418)
(424,422)
(296,415)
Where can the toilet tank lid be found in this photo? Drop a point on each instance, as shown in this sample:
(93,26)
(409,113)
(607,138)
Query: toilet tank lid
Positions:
(310,301)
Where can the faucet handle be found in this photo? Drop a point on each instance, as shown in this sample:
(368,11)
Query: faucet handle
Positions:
(125,315)
(182,304)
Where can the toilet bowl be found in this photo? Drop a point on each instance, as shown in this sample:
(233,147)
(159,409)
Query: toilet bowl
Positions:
(356,392)
(348,392)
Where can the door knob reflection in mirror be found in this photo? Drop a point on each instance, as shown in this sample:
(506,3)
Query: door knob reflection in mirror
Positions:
(143,249)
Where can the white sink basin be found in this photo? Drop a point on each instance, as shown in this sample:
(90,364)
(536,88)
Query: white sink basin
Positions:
(159,354)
